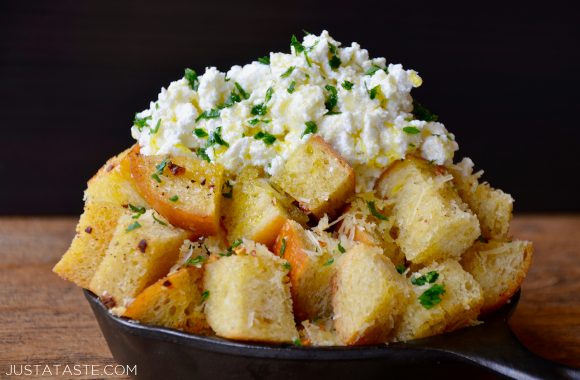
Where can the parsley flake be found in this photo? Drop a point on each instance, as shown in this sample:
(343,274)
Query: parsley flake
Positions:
(341,248)
(287,73)
(329,262)
(155,176)
(265,60)
(216,138)
(347,85)
(411,130)
(137,210)
(158,221)
(332,98)
(298,47)
(242,92)
(283,247)
(401,268)
(269,93)
(290,88)
(200,132)
(204,296)
(297,342)
(287,265)
(259,109)
(192,78)
(267,138)
(311,127)
(432,296)
(374,68)
(427,278)
(196,261)
(133,226)
(373,92)
(374,212)
(214,113)
(201,153)
(154,130)
(141,122)
(422,113)
(174,198)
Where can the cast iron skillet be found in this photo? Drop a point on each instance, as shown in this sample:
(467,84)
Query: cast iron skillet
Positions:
(489,350)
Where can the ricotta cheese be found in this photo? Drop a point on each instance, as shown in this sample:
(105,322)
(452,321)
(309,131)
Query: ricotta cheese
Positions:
(260,113)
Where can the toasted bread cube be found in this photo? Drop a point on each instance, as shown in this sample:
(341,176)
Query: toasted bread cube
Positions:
(108,193)
(317,177)
(310,274)
(141,251)
(499,267)
(175,301)
(369,220)
(93,234)
(185,190)
(492,206)
(319,333)
(249,296)
(257,211)
(433,222)
(453,300)
(369,296)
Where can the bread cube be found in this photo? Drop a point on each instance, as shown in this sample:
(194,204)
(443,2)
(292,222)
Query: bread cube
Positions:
(369,296)
(175,301)
(433,222)
(369,220)
(317,177)
(311,271)
(499,267)
(185,190)
(492,206)
(93,234)
(108,195)
(249,296)
(141,251)
(444,298)
(257,211)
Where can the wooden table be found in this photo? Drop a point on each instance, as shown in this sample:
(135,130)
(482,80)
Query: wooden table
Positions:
(45,320)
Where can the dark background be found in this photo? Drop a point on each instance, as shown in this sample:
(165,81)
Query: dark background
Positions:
(503,77)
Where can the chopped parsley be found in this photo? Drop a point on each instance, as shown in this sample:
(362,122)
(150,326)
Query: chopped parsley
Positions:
(267,138)
(432,296)
(374,68)
(174,198)
(374,212)
(265,60)
(242,92)
(347,85)
(427,278)
(137,210)
(204,296)
(214,113)
(298,47)
(401,268)
(287,73)
(259,109)
(334,61)
(196,261)
(141,122)
(332,99)
(341,248)
(230,250)
(411,130)
(287,265)
(269,93)
(216,138)
(155,176)
(422,113)
(191,77)
(283,247)
(230,189)
(231,100)
(154,130)
(297,342)
(133,226)
(310,128)
(201,153)
(200,132)
(254,121)
(329,262)
(373,92)
(290,88)
(158,221)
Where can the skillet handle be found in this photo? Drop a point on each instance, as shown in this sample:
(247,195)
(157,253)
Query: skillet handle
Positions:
(494,346)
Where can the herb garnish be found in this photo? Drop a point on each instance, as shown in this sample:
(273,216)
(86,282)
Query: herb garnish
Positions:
(230,250)
(374,91)
(154,130)
(214,113)
(331,100)
(216,138)
(267,138)
(196,261)
(201,153)
(287,73)
(287,265)
(283,247)
(347,85)
(422,113)
(265,60)
(204,296)
(374,212)
(310,128)
(174,198)
(427,278)
(141,122)
(432,296)
(242,92)
(334,61)
(341,248)
(200,132)
(290,88)
(374,68)
(259,109)
(158,221)
(269,93)
(137,210)
(401,268)
(411,130)
(191,77)
(329,262)
(133,226)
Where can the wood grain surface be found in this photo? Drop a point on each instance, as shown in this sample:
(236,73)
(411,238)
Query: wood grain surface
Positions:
(45,320)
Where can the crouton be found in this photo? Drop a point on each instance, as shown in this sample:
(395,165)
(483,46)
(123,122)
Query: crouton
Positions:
(499,267)
(369,296)
(109,193)
(257,211)
(317,177)
(368,220)
(433,222)
(311,271)
(185,190)
(140,252)
(249,296)
(444,298)
(175,301)
(319,333)
(492,206)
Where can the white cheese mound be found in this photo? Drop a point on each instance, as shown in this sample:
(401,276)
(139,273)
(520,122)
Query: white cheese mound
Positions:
(370,125)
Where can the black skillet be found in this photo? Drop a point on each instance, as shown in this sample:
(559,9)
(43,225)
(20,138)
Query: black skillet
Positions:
(487,351)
